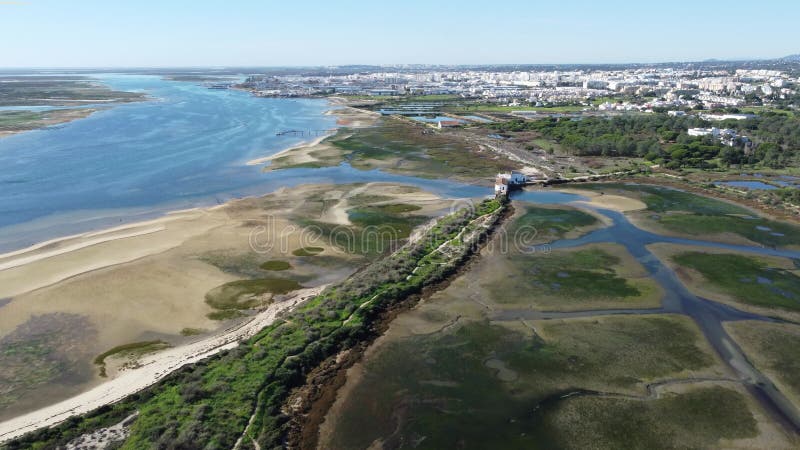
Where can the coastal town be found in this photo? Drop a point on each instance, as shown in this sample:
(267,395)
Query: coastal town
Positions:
(674,87)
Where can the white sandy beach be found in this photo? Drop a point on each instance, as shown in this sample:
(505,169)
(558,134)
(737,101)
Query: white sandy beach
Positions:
(266,159)
(59,259)
(609,201)
(346,117)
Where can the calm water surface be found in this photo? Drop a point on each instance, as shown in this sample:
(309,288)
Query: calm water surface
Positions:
(186,147)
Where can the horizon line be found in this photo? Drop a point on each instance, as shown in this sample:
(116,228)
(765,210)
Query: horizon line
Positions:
(303,66)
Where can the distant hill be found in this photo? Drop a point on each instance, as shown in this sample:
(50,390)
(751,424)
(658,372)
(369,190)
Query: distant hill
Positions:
(792,58)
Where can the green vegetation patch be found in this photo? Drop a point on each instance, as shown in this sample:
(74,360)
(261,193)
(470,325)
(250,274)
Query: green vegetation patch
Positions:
(368,199)
(15,121)
(766,232)
(662,199)
(551,223)
(47,349)
(132,350)
(225,314)
(376,229)
(773,348)
(243,294)
(241,264)
(620,350)
(451,387)
(193,331)
(495,108)
(697,419)
(397,208)
(390,218)
(571,279)
(67,90)
(21,120)
(281,162)
(414,149)
(308,251)
(746,279)
(696,215)
(276,265)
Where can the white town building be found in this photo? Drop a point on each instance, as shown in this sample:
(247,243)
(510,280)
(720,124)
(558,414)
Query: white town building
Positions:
(506,181)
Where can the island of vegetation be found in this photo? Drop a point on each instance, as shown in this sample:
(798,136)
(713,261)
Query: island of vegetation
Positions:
(48,100)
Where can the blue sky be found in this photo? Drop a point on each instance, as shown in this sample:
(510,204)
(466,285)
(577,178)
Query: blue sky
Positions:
(147,33)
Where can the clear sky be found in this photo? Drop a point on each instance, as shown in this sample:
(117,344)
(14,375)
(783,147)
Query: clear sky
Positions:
(171,33)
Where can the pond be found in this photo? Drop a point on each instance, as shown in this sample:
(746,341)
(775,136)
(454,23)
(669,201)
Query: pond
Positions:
(435,119)
(751,185)
(478,119)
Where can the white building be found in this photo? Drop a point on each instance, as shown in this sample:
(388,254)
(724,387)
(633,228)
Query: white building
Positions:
(726,136)
(506,181)
(704,131)
(727,116)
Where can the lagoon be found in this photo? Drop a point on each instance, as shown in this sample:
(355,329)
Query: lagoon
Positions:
(186,147)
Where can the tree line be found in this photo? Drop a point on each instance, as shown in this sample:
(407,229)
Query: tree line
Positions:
(774,138)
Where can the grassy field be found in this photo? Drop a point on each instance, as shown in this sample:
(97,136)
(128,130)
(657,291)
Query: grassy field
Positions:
(694,420)
(447,389)
(62,91)
(15,121)
(240,264)
(248,294)
(490,108)
(746,279)
(762,231)
(551,223)
(774,349)
(584,278)
(428,98)
(375,229)
(547,145)
(400,147)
